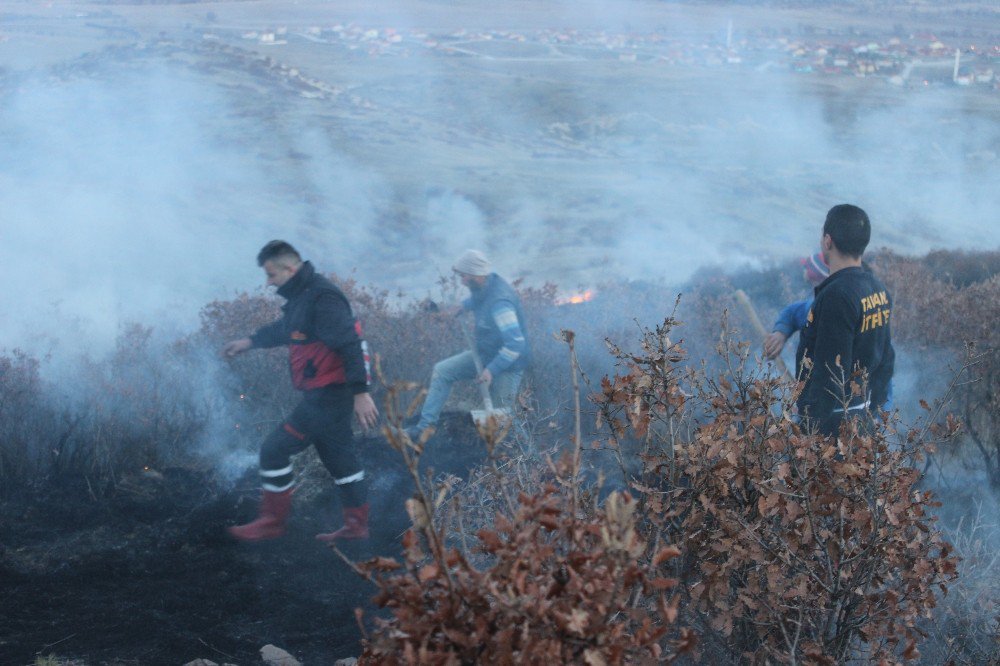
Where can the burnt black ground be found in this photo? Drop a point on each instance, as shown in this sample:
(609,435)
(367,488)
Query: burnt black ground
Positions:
(148,576)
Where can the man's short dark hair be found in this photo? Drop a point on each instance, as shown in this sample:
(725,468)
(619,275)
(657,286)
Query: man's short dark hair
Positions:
(278,250)
(850,229)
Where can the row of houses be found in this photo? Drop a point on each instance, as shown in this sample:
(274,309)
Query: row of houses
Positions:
(920,60)
(917,59)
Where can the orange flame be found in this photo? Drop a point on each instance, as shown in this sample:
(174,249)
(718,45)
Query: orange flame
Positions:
(576,299)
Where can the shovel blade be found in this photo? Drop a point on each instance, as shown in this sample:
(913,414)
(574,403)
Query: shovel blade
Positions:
(482,417)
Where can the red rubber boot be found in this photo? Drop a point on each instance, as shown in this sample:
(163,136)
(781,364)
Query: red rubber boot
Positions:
(355,525)
(270,524)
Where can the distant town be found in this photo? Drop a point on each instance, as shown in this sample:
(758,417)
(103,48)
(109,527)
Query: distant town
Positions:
(905,59)
(920,59)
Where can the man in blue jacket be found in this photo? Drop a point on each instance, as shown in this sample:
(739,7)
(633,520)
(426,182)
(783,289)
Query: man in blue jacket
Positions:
(329,364)
(792,317)
(499,339)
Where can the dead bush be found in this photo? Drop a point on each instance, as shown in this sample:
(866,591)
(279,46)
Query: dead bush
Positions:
(24,414)
(559,579)
(142,406)
(259,381)
(947,306)
(793,547)
(965,627)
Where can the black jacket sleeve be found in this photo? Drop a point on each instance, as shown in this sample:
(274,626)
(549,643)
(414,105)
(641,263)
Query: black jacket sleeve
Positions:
(335,327)
(270,335)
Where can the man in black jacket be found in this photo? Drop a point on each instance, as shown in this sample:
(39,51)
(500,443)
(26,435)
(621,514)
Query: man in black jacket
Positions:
(329,364)
(847,336)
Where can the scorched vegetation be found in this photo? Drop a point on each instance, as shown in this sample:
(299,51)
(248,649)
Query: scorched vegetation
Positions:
(654,503)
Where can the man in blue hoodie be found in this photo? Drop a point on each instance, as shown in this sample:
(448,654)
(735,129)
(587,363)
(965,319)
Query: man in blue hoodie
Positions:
(499,339)
(792,317)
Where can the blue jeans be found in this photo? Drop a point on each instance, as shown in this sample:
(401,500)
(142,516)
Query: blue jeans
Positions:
(503,388)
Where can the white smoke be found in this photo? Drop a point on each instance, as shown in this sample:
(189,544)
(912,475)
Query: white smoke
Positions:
(138,187)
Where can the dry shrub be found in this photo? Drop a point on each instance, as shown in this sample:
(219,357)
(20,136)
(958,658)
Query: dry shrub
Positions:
(554,578)
(139,407)
(260,379)
(965,628)
(948,304)
(776,546)
(942,301)
(790,548)
(23,415)
(961,268)
(794,547)
(556,589)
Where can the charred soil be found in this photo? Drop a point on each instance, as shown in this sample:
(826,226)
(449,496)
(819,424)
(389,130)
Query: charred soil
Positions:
(145,573)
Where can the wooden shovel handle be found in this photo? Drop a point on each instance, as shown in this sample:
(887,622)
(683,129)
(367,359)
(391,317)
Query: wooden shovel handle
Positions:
(484,390)
(751,314)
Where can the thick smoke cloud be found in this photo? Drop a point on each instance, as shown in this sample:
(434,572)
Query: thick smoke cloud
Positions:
(119,204)
(140,187)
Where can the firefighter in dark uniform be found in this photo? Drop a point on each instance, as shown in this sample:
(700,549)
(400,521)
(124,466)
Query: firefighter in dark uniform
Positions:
(329,364)
(847,333)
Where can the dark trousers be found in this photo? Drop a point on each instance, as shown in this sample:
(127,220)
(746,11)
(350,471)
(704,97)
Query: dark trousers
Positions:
(322,419)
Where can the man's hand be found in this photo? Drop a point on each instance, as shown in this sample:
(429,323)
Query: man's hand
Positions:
(773,344)
(234,347)
(485,378)
(365,410)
